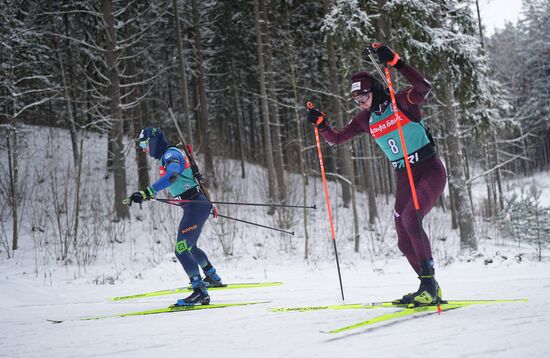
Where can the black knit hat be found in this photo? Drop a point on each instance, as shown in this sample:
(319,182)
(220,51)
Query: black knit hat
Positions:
(364,82)
(361,81)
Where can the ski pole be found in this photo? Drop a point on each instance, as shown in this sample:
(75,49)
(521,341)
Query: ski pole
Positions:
(237,203)
(256,224)
(310,105)
(377,66)
(407,163)
(227,217)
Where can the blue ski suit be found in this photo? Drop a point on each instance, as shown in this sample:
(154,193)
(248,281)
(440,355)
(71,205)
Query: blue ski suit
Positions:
(177,176)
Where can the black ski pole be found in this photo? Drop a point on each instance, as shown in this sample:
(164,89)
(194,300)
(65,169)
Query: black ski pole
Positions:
(236,203)
(232,218)
(260,225)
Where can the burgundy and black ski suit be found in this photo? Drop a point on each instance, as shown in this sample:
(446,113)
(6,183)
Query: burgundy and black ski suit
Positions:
(428,171)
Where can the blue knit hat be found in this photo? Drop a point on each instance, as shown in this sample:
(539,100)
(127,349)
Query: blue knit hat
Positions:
(157,141)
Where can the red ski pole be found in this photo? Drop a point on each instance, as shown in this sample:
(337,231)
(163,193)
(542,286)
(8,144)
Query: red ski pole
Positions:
(320,154)
(406,160)
(402,139)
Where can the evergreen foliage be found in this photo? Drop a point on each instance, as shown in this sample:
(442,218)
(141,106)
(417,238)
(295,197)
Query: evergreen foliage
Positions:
(525,220)
(53,61)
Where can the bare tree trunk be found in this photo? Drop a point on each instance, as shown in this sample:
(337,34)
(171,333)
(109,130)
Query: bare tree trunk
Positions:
(479,25)
(239,115)
(183,76)
(273,108)
(498,177)
(457,179)
(78,182)
(489,183)
(66,93)
(204,125)
(300,148)
(343,150)
(136,115)
(119,169)
(448,166)
(467,173)
(13,166)
(268,149)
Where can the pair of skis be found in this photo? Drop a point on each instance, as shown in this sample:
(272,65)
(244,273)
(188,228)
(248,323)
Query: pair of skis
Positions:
(406,310)
(174,308)
(173,291)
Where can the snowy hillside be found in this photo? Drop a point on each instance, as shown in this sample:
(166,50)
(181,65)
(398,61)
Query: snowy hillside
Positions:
(136,256)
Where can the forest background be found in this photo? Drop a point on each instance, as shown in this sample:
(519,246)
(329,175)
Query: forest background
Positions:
(237,75)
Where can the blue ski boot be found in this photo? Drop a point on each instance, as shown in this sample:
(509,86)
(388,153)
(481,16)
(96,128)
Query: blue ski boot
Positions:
(212,279)
(198,297)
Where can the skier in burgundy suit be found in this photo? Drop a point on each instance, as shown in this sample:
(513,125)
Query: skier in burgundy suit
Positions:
(377,118)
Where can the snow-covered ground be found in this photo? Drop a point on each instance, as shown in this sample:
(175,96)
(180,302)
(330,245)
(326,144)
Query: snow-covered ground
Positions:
(498,330)
(35,287)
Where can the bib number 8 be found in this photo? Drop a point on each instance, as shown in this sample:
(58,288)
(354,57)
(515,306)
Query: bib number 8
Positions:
(393,146)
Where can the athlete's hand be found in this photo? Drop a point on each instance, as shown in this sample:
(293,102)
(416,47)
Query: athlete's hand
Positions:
(141,196)
(316,118)
(386,55)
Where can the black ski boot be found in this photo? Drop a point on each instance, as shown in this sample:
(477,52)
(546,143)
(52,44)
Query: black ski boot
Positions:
(406,299)
(198,297)
(212,279)
(428,293)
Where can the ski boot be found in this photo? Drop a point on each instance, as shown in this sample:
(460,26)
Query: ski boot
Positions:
(405,300)
(212,279)
(429,292)
(199,295)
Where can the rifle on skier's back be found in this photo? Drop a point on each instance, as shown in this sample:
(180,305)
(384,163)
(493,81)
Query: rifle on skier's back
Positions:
(194,167)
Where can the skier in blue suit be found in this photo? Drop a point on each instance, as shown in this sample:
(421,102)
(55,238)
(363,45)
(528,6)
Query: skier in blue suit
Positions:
(177,176)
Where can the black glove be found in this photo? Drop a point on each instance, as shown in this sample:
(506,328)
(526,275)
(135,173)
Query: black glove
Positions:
(141,196)
(316,118)
(386,55)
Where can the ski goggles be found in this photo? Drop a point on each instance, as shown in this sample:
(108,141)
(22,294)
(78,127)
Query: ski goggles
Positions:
(144,143)
(362,98)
